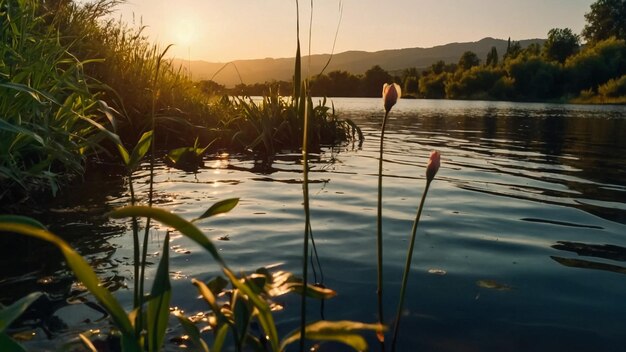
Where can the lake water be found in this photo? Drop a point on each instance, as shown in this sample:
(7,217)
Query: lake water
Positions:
(521,247)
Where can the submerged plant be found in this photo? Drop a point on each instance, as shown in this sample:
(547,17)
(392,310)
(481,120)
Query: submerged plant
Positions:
(391,93)
(431,170)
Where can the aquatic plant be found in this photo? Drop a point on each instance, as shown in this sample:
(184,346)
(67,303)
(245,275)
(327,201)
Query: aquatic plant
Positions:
(391,93)
(276,123)
(9,314)
(432,167)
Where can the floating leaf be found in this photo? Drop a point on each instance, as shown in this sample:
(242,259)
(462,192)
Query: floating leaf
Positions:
(339,331)
(221,207)
(312,291)
(493,285)
(437,272)
(186,158)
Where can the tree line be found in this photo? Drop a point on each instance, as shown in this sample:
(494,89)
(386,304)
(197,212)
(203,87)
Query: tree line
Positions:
(562,69)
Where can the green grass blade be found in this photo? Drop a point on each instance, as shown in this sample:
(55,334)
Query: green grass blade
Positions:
(85,274)
(25,220)
(8,344)
(220,337)
(221,207)
(140,150)
(10,313)
(183,226)
(159,303)
(264,312)
(6,126)
(34,93)
(339,331)
(208,296)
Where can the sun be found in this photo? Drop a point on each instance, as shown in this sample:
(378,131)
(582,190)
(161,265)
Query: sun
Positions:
(185,31)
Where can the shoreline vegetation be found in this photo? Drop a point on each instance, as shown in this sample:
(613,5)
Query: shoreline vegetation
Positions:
(74,84)
(72,78)
(561,71)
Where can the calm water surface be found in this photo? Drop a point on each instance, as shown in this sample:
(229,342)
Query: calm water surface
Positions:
(522,244)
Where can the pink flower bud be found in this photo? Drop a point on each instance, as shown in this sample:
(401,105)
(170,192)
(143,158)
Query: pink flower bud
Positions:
(391,93)
(433,165)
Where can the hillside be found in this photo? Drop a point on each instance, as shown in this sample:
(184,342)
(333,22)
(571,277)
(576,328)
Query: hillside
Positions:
(356,62)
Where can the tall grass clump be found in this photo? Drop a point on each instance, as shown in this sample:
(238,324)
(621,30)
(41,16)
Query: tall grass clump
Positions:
(276,123)
(49,116)
(127,66)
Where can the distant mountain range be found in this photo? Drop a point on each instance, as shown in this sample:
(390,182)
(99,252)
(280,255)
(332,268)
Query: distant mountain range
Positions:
(355,62)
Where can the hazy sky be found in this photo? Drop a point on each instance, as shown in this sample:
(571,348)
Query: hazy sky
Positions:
(227,30)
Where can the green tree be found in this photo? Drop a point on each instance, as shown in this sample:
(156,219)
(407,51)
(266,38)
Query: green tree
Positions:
(534,49)
(606,19)
(211,87)
(595,65)
(475,83)
(438,67)
(373,81)
(492,57)
(468,60)
(561,44)
(513,49)
(535,78)
(410,81)
(433,86)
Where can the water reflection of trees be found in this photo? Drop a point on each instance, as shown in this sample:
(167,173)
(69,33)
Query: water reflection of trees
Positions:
(606,251)
(587,148)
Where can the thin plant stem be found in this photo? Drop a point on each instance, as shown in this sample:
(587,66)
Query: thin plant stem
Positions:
(407,267)
(301,101)
(135,225)
(379,232)
(307,221)
(144,254)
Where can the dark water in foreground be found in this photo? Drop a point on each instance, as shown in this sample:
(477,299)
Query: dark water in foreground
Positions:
(522,244)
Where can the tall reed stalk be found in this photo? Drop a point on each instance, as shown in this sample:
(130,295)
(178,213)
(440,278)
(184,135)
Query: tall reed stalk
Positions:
(391,93)
(144,254)
(431,170)
(302,111)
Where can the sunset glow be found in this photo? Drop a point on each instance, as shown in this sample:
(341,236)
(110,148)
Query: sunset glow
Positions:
(230,30)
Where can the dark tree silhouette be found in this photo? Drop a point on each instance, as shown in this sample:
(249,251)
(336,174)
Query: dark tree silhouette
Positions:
(606,19)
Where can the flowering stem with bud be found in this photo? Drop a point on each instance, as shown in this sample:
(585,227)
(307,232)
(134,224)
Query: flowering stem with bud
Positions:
(391,93)
(431,170)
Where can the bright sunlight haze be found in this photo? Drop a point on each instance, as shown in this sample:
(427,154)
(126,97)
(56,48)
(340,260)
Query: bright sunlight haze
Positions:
(221,31)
